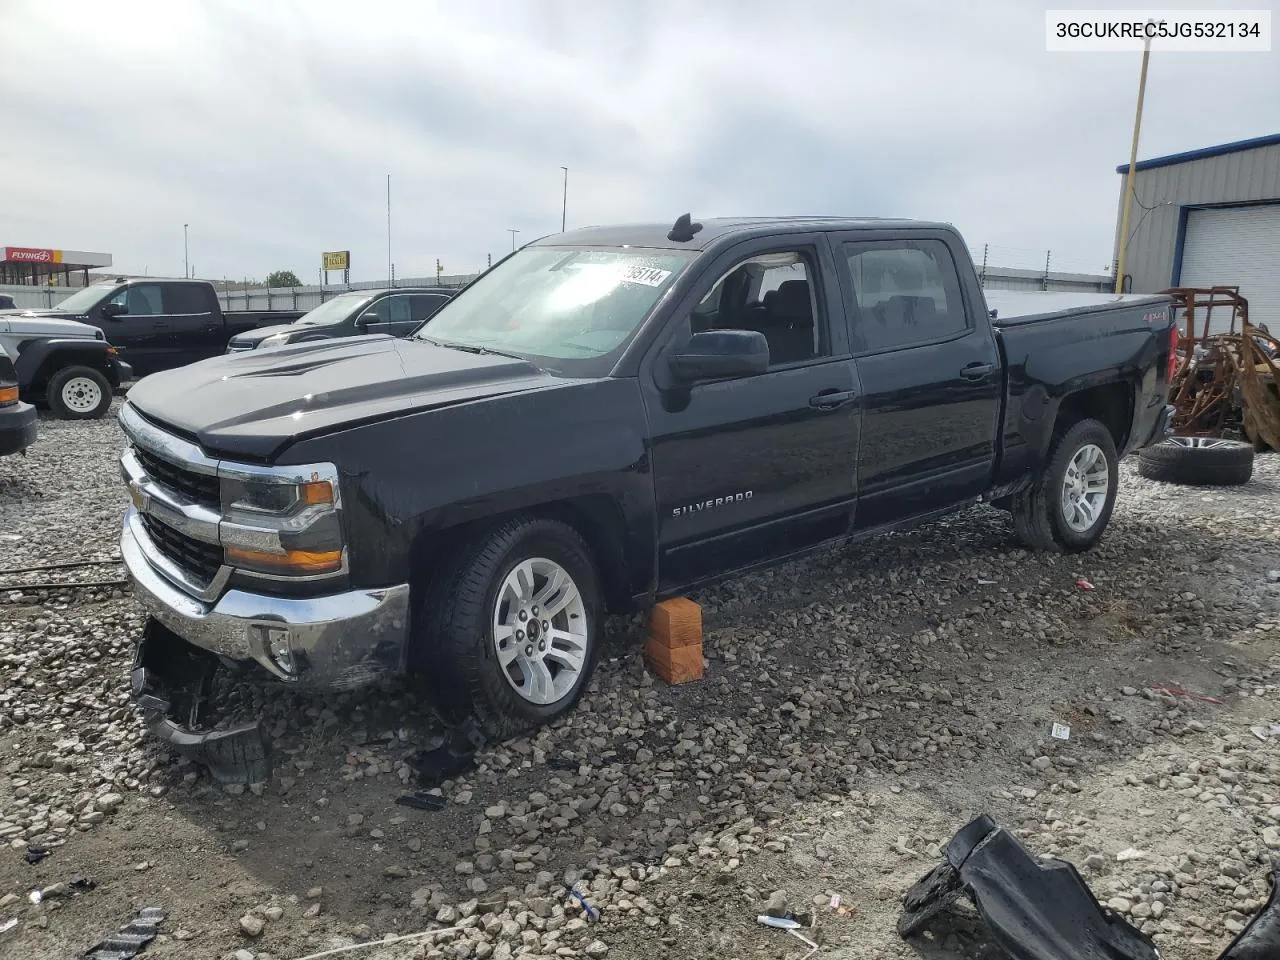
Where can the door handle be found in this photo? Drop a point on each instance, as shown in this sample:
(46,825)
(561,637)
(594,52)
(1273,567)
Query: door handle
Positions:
(976,371)
(832,399)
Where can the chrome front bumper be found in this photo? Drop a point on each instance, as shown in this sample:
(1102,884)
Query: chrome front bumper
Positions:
(341,640)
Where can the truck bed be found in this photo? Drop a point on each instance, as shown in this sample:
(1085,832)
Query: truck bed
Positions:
(1014,307)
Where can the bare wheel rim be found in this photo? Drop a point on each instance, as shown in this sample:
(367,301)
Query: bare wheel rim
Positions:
(81,394)
(1205,442)
(1084,488)
(540,631)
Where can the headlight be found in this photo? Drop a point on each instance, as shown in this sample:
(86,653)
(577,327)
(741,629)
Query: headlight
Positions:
(282,521)
(275,340)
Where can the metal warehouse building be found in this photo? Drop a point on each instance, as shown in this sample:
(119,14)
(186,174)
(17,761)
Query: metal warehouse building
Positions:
(1208,217)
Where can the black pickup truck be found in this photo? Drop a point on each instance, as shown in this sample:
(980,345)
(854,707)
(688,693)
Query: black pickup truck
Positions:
(393,310)
(160,324)
(605,418)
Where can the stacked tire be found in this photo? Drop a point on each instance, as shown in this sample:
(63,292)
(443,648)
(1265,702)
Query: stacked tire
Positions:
(1198,462)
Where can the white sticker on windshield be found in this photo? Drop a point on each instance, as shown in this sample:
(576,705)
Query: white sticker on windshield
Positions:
(649,276)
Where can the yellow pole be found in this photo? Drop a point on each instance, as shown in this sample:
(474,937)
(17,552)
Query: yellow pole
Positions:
(1133,161)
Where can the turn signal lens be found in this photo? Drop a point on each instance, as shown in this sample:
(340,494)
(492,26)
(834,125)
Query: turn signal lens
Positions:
(316,492)
(8,395)
(302,562)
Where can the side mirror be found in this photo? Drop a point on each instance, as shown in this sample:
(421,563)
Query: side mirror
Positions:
(114,310)
(365,320)
(714,354)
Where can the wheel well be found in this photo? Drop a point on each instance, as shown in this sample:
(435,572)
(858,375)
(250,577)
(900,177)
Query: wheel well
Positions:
(1110,403)
(596,518)
(57,361)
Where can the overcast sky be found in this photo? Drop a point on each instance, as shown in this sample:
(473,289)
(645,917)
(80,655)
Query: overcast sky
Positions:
(270,127)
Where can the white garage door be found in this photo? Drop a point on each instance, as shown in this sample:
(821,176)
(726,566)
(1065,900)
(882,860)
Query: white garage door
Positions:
(1237,246)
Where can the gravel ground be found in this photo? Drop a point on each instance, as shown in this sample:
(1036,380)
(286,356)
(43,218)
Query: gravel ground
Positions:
(858,708)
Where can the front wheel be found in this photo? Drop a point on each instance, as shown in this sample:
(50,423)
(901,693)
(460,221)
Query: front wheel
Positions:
(512,629)
(1069,505)
(79,393)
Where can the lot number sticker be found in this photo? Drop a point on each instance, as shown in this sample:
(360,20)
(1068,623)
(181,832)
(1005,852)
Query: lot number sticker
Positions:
(648,276)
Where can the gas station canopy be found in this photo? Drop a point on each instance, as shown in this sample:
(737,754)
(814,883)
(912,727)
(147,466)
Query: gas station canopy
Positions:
(40,265)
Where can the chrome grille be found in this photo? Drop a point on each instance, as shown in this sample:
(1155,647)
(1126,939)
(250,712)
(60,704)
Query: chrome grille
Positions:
(196,487)
(192,555)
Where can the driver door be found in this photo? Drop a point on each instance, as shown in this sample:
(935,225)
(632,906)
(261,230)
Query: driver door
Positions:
(752,469)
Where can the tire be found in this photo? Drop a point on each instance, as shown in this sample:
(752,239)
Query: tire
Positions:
(1198,461)
(79,393)
(459,650)
(932,894)
(1040,512)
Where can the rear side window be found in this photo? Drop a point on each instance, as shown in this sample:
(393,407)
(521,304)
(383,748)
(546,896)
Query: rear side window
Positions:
(424,305)
(186,298)
(906,292)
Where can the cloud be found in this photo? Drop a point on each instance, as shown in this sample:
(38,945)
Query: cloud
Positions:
(270,128)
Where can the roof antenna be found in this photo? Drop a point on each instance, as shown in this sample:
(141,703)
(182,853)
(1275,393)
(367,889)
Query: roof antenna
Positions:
(683,230)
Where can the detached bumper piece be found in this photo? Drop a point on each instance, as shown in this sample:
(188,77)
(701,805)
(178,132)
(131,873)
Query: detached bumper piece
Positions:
(1043,909)
(131,939)
(171,682)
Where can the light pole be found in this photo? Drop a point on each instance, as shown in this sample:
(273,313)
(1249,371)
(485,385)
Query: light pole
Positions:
(564,204)
(1133,161)
(513,232)
(186,269)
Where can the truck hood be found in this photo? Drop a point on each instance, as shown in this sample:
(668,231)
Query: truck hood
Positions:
(46,323)
(253,405)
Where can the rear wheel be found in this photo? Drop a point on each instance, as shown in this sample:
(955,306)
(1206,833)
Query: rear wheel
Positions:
(1069,505)
(511,636)
(79,393)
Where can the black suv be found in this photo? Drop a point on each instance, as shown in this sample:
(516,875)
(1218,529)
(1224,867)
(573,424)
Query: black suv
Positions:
(395,310)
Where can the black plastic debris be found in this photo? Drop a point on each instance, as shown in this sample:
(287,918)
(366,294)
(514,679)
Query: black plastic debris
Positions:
(453,756)
(172,682)
(562,764)
(82,884)
(131,939)
(422,801)
(35,854)
(1042,909)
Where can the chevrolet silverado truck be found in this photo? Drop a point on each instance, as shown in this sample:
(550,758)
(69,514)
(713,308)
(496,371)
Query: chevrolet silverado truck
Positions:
(394,310)
(17,419)
(159,324)
(68,366)
(606,418)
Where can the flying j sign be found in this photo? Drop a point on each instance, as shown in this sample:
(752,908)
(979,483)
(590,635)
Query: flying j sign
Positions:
(31,255)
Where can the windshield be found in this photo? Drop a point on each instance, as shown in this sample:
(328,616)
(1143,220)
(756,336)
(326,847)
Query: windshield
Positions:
(85,300)
(333,311)
(554,304)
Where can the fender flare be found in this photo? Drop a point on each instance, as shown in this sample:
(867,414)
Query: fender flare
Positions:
(35,357)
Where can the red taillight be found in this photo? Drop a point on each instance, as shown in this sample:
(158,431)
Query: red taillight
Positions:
(1173,353)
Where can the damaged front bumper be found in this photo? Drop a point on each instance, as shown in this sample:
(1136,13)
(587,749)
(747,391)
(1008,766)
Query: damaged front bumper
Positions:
(171,683)
(1043,909)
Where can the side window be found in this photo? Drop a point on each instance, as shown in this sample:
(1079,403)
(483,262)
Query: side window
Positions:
(398,309)
(906,292)
(774,294)
(185,298)
(424,305)
(141,300)
(379,308)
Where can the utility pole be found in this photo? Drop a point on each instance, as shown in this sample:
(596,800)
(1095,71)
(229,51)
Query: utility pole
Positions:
(564,203)
(513,233)
(390,275)
(1133,161)
(186,269)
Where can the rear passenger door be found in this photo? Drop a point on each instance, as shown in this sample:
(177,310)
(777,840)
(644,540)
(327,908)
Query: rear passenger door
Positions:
(929,371)
(194,327)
